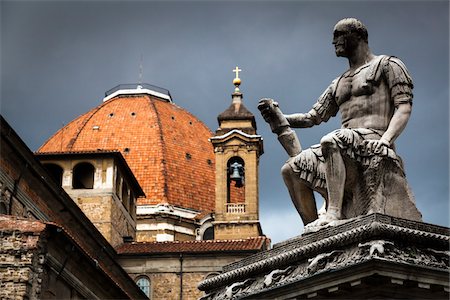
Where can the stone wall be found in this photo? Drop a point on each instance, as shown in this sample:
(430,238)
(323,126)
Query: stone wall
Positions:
(167,285)
(21,263)
(165,227)
(108,215)
(230,231)
(27,190)
(163,271)
(234,205)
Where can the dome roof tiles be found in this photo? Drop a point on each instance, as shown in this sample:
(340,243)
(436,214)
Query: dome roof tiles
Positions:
(166,147)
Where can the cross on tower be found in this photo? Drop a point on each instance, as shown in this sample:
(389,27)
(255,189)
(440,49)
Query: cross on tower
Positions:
(237,70)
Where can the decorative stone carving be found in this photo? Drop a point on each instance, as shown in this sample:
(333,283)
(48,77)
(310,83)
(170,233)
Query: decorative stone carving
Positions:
(375,247)
(320,261)
(276,275)
(355,168)
(352,245)
(236,287)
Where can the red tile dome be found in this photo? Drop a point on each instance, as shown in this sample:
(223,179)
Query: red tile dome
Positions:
(166,147)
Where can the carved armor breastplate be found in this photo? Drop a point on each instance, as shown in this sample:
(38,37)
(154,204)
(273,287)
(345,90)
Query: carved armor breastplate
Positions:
(360,82)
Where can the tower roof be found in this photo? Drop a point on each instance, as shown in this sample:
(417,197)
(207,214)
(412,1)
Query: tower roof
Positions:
(236,111)
(165,146)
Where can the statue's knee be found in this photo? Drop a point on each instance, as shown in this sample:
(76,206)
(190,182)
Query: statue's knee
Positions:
(286,171)
(328,143)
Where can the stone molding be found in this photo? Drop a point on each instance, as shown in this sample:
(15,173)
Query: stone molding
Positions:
(10,191)
(365,239)
(71,279)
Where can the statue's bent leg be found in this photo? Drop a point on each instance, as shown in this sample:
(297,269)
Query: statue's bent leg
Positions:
(335,175)
(302,195)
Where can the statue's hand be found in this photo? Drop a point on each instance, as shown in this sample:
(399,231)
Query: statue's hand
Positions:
(376,146)
(266,107)
(272,114)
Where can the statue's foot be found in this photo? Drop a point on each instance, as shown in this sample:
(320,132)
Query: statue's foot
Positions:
(324,220)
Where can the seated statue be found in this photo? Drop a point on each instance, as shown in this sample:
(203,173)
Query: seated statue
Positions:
(355,168)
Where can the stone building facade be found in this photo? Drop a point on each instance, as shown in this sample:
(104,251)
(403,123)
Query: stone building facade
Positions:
(237,149)
(102,185)
(136,175)
(174,269)
(49,248)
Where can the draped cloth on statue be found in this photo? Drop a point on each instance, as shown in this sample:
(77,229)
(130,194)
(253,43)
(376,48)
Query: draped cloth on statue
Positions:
(374,182)
(310,163)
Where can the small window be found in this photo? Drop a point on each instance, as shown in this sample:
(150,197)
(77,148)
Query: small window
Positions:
(208,234)
(56,172)
(144,284)
(83,176)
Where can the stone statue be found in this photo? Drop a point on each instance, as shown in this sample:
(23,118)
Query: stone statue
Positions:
(355,168)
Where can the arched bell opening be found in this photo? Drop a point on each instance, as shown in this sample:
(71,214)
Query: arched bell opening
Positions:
(235,185)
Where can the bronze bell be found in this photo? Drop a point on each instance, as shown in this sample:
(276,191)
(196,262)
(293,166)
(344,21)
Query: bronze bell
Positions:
(237,173)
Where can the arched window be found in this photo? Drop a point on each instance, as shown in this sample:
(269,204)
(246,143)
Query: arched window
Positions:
(55,171)
(144,284)
(83,176)
(236,180)
(208,234)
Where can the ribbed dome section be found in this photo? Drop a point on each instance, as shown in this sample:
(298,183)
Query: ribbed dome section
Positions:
(166,147)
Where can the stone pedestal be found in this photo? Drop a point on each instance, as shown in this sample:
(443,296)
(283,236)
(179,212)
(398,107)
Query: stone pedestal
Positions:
(373,256)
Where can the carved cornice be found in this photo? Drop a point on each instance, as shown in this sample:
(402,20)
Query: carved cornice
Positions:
(358,230)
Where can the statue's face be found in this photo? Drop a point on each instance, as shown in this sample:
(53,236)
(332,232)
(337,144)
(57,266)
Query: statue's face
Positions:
(344,40)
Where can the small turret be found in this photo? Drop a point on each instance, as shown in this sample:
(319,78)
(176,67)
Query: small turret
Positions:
(237,148)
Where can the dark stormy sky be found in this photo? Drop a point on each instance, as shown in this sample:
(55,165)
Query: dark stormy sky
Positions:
(58,59)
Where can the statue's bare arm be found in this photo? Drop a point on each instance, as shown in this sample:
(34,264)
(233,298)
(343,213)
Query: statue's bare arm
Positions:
(395,128)
(398,123)
(300,120)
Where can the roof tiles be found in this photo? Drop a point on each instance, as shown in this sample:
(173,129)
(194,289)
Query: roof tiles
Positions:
(166,147)
(250,244)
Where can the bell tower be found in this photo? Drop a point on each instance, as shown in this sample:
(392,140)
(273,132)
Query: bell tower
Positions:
(237,148)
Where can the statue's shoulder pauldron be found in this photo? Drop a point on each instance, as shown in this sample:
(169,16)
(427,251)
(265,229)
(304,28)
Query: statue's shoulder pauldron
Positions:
(398,79)
(326,106)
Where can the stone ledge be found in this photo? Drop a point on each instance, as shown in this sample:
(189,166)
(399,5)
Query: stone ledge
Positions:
(353,282)
(328,232)
(360,240)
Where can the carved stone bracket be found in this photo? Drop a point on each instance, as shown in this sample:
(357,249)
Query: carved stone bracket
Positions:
(320,261)
(276,276)
(376,247)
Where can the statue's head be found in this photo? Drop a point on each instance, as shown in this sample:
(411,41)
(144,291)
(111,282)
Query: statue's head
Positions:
(347,34)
